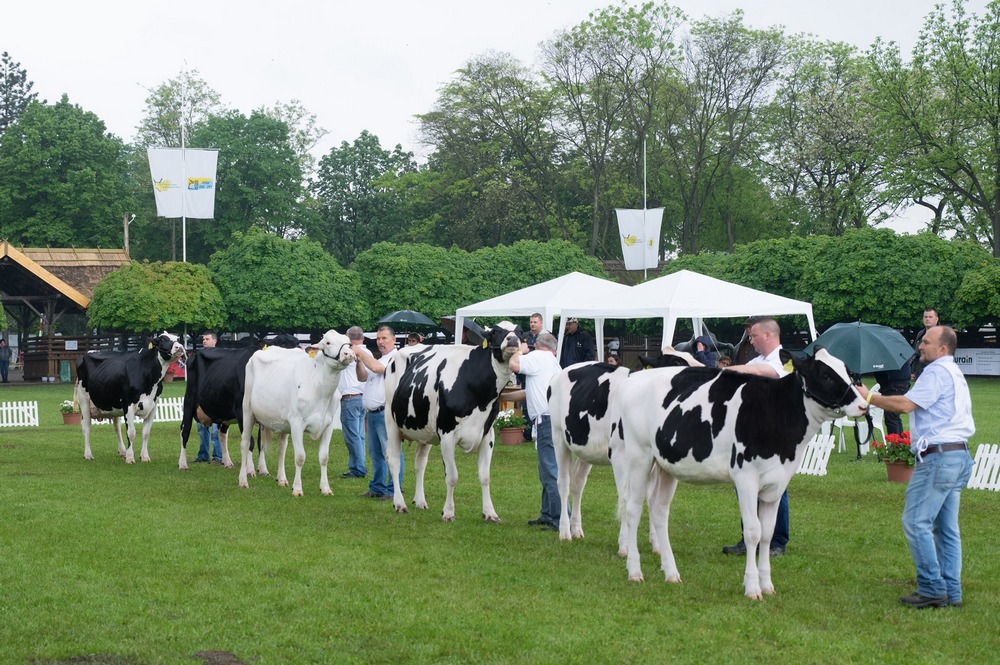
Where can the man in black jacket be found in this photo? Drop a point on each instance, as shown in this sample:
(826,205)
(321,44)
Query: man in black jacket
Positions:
(578,345)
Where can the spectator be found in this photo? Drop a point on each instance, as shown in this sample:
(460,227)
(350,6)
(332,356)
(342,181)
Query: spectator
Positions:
(539,366)
(208,341)
(702,351)
(414,339)
(5,354)
(613,359)
(723,362)
(930,320)
(371,370)
(765,336)
(744,349)
(578,345)
(535,328)
(940,409)
(352,411)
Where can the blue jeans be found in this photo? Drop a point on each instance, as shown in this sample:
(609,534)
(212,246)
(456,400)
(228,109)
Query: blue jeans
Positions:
(381,482)
(352,421)
(548,471)
(4,367)
(930,522)
(203,434)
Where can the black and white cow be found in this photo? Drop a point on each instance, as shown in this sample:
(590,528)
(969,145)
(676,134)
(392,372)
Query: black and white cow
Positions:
(583,403)
(290,392)
(713,426)
(447,394)
(214,393)
(116,384)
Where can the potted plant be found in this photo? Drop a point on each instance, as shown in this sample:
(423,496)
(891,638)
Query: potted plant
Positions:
(511,425)
(70,412)
(895,452)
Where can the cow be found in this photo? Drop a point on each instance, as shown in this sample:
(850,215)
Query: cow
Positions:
(450,395)
(214,392)
(294,393)
(583,403)
(116,384)
(706,425)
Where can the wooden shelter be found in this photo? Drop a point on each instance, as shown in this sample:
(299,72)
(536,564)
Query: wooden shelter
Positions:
(48,283)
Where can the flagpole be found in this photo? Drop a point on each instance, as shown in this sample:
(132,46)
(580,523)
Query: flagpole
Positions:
(184,250)
(645,238)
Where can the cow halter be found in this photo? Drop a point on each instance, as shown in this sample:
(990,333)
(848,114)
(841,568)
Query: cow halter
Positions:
(335,357)
(833,407)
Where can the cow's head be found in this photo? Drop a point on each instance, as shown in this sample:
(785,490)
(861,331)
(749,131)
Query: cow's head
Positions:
(825,381)
(283,340)
(168,346)
(503,339)
(336,347)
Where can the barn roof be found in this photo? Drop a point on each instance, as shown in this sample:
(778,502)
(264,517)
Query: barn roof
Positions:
(68,274)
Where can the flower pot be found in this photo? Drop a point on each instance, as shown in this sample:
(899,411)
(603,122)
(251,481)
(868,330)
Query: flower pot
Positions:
(511,436)
(898,472)
(71,418)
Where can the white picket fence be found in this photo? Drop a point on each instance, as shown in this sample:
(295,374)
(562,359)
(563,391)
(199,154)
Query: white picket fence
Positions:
(168,409)
(986,472)
(18,414)
(816,455)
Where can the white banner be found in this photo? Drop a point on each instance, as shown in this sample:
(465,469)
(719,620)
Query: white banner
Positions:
(978,362)
(183,181)
(640,236)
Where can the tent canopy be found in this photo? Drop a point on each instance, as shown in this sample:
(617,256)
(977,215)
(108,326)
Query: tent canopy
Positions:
(681,295)
(549,299)
(690,295)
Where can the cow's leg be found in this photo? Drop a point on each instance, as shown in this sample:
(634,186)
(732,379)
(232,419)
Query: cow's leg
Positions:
(246,434)
(147,427)
(747,494)
(393,448)
(639,463)
(768,513)
(298,446)
(564,466)
(450,478)
(659,497)
(324,458)
(264,445)
(116,424)
(182,462)
(281,478)
(579,472)
(485,459)
(83,399)
(227,461)
(130,434)
(422,452)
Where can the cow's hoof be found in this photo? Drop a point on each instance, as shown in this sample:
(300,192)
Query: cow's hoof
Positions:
(228,466)
(296,492)
(578,535)
(492,519)
(282,483)
(635,578)
(623,552)
(401,508)
(754,595)
(182,468)
(263,474)
(145,459)
(565,536)
(326,492)
(447,518)
(656,551)
(129,461)
(420,506)
(673,579)
(245,484)
(89,457)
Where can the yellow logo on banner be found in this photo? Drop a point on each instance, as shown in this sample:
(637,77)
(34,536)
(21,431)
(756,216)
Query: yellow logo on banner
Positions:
(161,185)
(629,240)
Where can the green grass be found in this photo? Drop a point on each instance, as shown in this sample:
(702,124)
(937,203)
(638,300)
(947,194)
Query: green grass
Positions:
(106,563)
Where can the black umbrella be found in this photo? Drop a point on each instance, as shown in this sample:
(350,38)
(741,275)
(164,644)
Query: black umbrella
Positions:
(865,347)
(476,333)
(407,320)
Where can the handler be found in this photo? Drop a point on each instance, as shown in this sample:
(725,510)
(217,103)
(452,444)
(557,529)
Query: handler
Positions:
(940,425)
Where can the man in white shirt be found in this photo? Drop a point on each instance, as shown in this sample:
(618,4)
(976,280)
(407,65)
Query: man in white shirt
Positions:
(765,336)
(352,410)
(538,367)
(372,372)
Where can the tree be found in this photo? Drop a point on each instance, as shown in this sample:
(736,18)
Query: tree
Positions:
(149,297)
(303,132)
(356,206)
(15,91)
(64,179)
(186,101)
(258,184)
(942,115)
(271,284)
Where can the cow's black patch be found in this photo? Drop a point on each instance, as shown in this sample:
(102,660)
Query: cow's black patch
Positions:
(773,421)
(588,398)
(412,387)
(474,389)
(114,380)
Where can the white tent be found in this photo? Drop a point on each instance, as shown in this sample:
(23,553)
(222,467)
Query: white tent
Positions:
(690,295)
(550,299)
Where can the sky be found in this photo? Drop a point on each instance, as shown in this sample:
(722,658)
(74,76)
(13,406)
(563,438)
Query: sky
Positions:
(357,65)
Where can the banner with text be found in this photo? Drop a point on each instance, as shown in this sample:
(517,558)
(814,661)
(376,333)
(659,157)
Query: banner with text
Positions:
(639,231)
(184,181)
(978,362)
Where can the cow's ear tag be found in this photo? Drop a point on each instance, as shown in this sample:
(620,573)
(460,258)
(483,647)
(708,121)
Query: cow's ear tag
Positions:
(789,367)
(150,346)
(312,353)
(485,343)
(264,348)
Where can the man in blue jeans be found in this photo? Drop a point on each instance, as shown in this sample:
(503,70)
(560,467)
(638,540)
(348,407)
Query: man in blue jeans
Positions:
(208,341)
(371,370)
(940,409)
(352,411)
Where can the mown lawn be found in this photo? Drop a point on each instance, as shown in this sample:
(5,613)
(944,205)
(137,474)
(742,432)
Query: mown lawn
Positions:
(106,563)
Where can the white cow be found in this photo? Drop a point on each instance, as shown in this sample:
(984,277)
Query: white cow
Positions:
(705,425)
(290,392)
(447,394)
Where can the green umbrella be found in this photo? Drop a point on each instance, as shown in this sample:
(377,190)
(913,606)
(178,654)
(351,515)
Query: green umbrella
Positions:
(865,347)
(407,320)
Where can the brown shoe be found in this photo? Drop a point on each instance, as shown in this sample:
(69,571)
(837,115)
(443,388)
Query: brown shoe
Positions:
(920,601)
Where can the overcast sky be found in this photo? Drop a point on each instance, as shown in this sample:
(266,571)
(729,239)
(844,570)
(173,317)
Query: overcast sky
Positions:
(357,65)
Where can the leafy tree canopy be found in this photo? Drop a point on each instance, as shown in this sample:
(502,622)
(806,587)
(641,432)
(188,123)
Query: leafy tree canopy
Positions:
(270,284)
(15,91)
(149,297)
